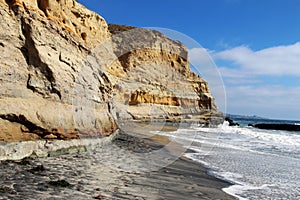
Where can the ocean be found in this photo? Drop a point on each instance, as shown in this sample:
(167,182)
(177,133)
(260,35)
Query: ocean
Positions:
(261,164)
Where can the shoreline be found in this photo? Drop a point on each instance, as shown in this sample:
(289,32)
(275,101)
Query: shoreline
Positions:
(107,178)
(192,179)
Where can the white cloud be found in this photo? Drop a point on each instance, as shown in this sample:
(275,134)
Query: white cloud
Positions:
(246,74)
(203,64)
(278,61)
(200,57)
(272,101)
(232,73)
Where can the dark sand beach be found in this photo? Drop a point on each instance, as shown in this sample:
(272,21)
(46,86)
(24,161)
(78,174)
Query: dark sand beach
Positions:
(115,171)
(182,179)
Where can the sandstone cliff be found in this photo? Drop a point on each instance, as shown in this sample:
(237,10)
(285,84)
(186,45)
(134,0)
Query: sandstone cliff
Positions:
(157,81)
(65,74)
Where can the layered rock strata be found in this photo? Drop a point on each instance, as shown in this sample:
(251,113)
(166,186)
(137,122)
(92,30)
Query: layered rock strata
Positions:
(66,74)
(156,80)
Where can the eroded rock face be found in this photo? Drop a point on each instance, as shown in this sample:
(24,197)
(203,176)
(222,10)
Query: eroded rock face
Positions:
(66,74)
(157,81)
(68,14)
(46,86)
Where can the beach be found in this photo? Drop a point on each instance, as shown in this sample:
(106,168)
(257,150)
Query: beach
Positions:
(114,171)
(182,179)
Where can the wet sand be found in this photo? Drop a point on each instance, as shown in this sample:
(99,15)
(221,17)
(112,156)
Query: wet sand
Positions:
(182,179)
(122,170)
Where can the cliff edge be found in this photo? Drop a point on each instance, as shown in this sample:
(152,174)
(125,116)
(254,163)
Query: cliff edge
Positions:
(66,74)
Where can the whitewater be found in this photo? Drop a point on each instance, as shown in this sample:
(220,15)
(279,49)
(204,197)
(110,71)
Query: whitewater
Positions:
(261,164)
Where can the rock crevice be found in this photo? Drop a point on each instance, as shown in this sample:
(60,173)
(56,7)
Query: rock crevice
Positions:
(33,59)
(21,119)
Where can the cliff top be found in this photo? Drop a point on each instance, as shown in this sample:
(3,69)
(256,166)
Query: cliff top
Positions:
(68,14)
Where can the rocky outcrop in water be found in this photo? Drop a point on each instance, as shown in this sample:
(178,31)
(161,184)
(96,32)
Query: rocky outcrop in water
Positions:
(283,127)
(230,121)
(66,74)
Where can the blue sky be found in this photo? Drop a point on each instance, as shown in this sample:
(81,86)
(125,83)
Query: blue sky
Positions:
(255,44)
